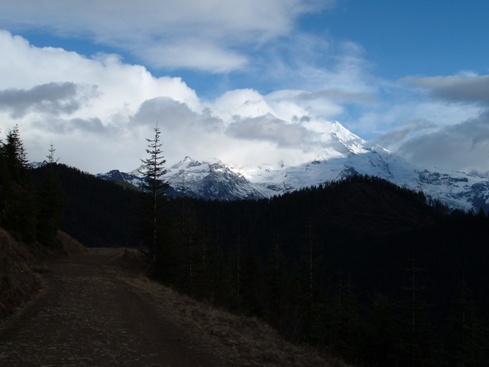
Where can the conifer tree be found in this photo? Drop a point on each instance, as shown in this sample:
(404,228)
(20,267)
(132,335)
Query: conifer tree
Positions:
(343,319)
(3,180)
(206,272)
(309,269)
(154,187)
(466,339)
(15,155)
(310,292)
(416,341)
(51,202)
(234,270)
(20,212)
(380,332)
(276,287)
(251,280)
(189,246)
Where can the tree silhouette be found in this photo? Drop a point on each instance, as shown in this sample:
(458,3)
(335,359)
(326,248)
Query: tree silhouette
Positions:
(20,213)
(154,187)
(416,343)
(51,202)
(466,340)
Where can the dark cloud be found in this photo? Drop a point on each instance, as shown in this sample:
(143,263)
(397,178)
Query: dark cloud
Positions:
(165,111)
(61,126)
(91,125)
(51,98)
(460,147)
(397,136)
(269,128)
(174,115)
(474,89)
(338,95)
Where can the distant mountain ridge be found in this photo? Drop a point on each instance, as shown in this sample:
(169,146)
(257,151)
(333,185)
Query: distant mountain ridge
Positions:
(342,154)
(216,181)
(197,179)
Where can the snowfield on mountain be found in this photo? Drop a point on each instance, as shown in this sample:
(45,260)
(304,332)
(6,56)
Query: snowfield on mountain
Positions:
(340,154)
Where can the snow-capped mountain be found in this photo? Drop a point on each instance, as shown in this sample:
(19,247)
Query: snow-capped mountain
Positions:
(212,181)
(209,181)
(455,189)
(340,155)
(133,178)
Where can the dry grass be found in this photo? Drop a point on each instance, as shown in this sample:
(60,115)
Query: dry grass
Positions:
(70,245)
(20,266)
(18,280)
(236,340)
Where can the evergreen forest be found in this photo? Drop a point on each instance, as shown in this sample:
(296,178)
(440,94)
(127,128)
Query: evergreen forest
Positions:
(362,269)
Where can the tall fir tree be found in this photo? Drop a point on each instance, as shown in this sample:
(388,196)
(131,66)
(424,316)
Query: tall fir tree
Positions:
(343,323)
(467,347)
(234,269)
(51,202)
(380,333)
(309,269)
(20,204)
(153,187)
(3,179)
(416,346)
(276,288)
(189,246)
(251,280)
(15,155)
(309,295)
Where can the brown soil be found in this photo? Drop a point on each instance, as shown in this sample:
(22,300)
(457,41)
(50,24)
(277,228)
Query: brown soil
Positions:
(88,315)
(98,309)
(21,264)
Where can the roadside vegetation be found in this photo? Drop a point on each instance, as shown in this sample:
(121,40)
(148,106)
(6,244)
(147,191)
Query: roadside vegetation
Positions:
(30,217)
(21,266)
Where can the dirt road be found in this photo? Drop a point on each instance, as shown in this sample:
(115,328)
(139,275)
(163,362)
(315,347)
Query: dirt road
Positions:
(88,316)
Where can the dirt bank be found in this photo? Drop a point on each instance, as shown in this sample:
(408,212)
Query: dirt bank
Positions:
(88,316)
(97,309)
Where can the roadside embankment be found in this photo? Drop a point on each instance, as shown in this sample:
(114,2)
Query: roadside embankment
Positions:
(20,266)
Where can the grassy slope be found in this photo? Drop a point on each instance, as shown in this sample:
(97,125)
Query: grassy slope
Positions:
(237,340)
(20,265)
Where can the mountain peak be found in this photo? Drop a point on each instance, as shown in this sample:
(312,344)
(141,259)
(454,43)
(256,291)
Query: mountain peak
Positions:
(341,154)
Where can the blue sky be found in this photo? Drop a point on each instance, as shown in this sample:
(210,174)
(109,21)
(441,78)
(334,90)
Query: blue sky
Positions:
(419,37)
(92,77)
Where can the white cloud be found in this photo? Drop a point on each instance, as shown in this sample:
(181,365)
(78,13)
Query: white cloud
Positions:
(194,54)
(98,112)
(24,66)
(81,104)
(241,102)
(174,29)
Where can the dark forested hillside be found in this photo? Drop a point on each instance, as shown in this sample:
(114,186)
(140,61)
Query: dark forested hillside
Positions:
(367,270)
(362,268)
(98,213)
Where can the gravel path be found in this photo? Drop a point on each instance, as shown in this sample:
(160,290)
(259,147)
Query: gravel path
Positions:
(88,316)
